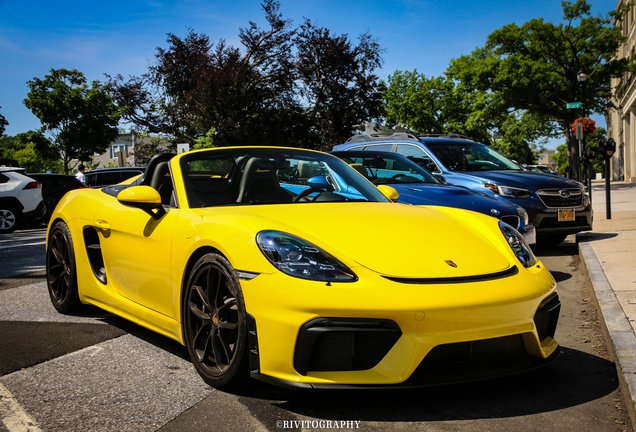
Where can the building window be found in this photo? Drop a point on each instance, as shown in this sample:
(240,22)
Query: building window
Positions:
(116,148)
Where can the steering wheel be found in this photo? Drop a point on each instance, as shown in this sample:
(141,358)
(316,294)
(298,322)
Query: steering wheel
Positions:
(307,192)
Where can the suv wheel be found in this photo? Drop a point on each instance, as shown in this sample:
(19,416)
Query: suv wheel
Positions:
(9,219)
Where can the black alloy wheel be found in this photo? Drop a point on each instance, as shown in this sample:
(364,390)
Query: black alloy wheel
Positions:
(214,322)
(61,276)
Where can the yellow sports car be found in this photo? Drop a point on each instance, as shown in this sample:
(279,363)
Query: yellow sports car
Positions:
(288,266)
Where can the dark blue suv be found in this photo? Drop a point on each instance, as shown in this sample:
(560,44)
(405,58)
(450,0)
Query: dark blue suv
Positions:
(557,206)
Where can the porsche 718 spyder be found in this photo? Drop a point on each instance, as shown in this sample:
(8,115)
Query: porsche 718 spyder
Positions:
(288,266)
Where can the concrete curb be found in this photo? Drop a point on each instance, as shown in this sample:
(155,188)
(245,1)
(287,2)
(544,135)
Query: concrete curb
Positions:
(617,326)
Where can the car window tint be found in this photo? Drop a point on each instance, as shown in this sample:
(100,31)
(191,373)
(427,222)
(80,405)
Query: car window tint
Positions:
(419,156)
(3,178)
(467,156)
(389,170)
(108,178)
(380,147)
(125,175)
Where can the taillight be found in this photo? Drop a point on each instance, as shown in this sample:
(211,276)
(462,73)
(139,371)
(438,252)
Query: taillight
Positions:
(33,185)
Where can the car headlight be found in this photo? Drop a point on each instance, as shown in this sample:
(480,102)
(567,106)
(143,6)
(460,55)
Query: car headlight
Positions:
(523,214)
(508,191)
(518,245)
(299,258)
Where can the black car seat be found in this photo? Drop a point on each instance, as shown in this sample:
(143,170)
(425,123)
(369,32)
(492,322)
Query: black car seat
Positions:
(259,183)
(162,182)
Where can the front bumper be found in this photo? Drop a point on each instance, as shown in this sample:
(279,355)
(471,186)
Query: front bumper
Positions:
(376,332)
(529,233)
(545,219)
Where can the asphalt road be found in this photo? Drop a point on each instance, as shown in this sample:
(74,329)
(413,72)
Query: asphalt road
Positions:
(97,372)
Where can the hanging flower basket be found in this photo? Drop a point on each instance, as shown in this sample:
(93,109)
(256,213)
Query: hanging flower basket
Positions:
(589,125)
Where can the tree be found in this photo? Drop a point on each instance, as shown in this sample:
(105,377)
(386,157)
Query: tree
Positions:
(338,82)
(592,142)
(439,105)
(534,67)
(80,119)
(426,105)
(3,124)
(32,150)
(207,141)
(295,87)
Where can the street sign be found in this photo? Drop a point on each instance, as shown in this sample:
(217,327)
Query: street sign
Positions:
(572,105)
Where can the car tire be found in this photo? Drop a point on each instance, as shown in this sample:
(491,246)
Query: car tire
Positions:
(61,272)
(215,326)
(10,219)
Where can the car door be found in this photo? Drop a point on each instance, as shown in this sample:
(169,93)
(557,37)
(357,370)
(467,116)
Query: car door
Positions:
(137,254)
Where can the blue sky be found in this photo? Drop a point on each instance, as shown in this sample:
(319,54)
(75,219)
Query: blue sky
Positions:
(121,37)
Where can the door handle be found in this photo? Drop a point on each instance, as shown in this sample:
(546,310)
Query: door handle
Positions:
(102,225)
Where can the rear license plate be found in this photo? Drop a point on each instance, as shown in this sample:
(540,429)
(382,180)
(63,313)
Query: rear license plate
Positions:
(566,215)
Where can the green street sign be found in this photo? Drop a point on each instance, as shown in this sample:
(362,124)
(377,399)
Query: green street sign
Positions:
(572,105)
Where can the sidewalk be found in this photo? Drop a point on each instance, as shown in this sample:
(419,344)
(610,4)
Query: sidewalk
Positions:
(609,254)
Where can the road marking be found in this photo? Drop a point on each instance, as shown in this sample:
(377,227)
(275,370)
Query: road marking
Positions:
(13,416)
(22,244)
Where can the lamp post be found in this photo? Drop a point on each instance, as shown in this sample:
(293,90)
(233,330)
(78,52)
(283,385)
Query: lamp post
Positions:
(581,77)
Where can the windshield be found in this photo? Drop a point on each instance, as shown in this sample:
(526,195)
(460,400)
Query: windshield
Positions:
(468,156)
(257,175)
(387,168)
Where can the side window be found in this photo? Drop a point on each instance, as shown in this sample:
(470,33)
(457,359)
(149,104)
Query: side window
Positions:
(3,178)
(91,179)
(380,147)
(109,178)
(419,156)
(360,147)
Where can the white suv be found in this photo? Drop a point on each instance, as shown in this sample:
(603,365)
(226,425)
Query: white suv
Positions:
(20,199)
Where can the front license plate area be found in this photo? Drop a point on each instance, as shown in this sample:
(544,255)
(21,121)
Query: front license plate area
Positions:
(566,215)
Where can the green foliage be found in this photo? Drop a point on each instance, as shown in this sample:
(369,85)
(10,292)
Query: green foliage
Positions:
(592,142)
(533,68)
(32,151)
(80,119)
(561,158)
(425,105)
(439,105)
(207,141)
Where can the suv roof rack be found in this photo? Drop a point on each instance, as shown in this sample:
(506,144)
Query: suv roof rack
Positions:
(452,136)
(382,136)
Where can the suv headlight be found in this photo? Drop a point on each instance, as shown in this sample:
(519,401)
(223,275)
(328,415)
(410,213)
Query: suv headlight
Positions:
(518,245)
(507,191)
(299,258)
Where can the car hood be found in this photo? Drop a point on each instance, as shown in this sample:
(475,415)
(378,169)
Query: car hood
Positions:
(524,179)
(445,195)
(391,239)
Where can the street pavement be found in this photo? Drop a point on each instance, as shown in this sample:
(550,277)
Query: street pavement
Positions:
(609,254)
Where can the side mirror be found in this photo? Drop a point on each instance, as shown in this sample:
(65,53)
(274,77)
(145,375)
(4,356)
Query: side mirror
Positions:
(389,192)
(319,182)
(145,198)
(440,177)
